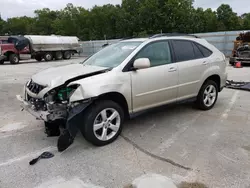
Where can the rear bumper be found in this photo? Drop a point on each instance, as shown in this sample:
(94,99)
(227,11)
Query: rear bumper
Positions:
(223,81)
(41,115)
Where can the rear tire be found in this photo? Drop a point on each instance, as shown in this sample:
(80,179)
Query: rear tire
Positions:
(14,59)
(207,96)
(48,56)
(67,55)
(93,117)
(1,62)
(58,55)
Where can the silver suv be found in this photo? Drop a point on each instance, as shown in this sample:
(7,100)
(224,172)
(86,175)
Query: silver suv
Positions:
(125,78)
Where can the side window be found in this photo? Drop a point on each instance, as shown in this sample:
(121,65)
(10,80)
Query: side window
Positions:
(183,50)
(204,50)
(158,53)
(197,52)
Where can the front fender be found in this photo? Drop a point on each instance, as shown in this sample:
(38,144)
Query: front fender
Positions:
(98,85)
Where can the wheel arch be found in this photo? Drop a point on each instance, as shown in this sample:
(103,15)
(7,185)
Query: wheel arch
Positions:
(216,78)
(8,53)
(117,98)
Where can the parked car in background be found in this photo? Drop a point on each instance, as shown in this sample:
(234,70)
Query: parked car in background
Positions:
(126,78)
(38,47)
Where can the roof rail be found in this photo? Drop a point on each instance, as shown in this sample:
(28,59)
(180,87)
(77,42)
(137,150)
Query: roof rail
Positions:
(172,35)
(127,38)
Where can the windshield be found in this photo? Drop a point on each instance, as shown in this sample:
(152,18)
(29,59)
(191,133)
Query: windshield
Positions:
(113,55)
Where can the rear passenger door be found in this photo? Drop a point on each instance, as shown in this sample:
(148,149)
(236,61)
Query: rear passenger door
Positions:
(192,61)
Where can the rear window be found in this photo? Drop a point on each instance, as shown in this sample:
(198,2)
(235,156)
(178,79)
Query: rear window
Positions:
(206,52)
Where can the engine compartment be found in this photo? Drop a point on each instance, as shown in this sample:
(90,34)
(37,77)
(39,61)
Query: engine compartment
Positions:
(55,102)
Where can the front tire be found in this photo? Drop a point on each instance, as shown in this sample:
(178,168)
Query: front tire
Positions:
(208,95)
(1,62)
(103,122)
(14,59)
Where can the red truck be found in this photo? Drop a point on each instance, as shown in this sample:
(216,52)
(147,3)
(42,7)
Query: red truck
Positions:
(8,52)
(15,48)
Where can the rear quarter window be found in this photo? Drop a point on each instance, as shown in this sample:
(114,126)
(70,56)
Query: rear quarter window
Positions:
(206,52)
(197,52)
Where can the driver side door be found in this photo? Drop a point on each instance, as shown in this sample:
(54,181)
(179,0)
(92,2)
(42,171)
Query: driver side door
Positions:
(158,84)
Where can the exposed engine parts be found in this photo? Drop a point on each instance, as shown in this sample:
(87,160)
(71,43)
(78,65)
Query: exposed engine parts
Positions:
(55,101)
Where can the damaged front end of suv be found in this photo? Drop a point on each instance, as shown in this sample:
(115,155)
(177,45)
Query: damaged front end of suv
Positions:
(92,96)
(52,102)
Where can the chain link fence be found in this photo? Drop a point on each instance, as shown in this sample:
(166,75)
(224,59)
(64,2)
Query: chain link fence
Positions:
(224,41)
(88,48)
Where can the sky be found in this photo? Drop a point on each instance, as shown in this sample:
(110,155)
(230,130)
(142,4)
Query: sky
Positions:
(12,8)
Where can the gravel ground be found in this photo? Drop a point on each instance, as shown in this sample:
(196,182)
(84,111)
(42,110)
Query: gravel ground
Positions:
(179,141)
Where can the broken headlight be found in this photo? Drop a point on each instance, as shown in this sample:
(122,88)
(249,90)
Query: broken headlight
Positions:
(64,93)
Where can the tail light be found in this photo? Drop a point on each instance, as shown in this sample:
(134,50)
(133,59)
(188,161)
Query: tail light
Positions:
(223,57)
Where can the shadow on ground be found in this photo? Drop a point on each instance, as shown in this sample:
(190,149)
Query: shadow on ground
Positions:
(192,185)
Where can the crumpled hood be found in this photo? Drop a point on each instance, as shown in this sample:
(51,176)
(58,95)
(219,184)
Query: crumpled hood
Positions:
(57,76)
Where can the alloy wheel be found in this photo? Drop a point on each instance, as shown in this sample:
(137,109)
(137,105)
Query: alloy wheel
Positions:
(106,124)
(209,96)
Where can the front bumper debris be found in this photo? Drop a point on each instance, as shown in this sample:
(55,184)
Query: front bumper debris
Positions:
(41,115)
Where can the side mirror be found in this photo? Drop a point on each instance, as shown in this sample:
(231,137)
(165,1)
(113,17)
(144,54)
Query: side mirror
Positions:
(141,63)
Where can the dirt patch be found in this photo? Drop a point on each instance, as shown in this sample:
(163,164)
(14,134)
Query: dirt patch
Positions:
(246,148)
(128,186)
(192,185)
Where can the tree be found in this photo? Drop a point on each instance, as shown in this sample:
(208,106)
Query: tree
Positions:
(228,20)
(176,16)
(246,21)
(211,22)
(133,18)
(19,26)
(130,17)
(2,25)
(44,20)
(67,21)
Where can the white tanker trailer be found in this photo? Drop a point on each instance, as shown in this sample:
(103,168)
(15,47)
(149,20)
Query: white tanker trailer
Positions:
(38,47)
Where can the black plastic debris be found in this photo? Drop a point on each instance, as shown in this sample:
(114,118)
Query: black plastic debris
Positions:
(44,155)
(238,85)
(64,141)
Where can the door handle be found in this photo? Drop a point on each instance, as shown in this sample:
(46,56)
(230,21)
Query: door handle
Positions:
(205,63)
(172,69)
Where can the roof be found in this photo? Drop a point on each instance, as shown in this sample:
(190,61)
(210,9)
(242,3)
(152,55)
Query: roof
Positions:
(135,40)
(163,36)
